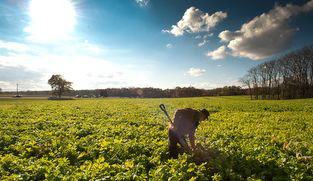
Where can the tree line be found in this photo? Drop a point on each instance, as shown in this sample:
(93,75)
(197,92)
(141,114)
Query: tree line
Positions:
(287,77)
(147,92)
(61,87)
(150,92)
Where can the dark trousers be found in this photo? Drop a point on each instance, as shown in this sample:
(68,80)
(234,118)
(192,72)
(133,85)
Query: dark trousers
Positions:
(173,140)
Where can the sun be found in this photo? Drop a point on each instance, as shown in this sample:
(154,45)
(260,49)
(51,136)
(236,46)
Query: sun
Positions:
(51,20)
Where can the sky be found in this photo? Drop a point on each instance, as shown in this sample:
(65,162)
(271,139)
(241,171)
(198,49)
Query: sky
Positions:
(145,43)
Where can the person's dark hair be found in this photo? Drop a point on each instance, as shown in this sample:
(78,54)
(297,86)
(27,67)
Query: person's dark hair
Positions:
(206,113)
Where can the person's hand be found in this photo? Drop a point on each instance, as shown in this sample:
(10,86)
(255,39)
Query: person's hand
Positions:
(193,148)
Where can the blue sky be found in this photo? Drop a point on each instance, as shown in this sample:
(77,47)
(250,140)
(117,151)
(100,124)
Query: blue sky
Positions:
(145,43)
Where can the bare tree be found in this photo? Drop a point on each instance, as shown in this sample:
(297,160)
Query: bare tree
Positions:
(261,73)
(276,79)
(309,57)
(246,81)
(269,71)
(290,76)
(253,73)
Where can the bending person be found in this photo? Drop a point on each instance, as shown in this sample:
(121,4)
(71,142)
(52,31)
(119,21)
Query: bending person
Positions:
(185,124)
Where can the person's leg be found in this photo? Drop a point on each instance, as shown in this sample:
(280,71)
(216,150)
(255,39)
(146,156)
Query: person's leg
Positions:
(173,140)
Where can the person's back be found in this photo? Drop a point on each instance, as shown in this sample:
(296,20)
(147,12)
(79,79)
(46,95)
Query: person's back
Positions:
(186,121)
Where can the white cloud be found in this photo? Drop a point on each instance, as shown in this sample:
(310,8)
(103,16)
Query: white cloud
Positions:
(219,65)
(204,36)
(194,21)
(264,35)
(13,46)
(217,54)
(91,47)
(72,47)
(208,35)
(196,72)
(227,36)
(204,39)
(169,45)
(212,85)
(85,71)
(142,2)
(203,85)
(203,43)
(11,75)
(206,85)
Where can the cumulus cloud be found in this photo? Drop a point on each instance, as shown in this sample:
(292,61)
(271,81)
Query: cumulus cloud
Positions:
(142,2)
(169,45)
(194,21)
(217,54)
(227,36)
(264,35)
(196,72)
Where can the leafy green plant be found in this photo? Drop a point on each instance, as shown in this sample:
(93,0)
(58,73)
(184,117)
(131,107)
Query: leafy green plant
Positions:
(126,139)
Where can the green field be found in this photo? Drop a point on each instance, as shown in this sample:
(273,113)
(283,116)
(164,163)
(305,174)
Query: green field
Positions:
(126,139)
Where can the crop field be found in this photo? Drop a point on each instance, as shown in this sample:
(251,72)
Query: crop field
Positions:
(126,139)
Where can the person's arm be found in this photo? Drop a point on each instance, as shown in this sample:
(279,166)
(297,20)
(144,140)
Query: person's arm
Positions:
(192,140)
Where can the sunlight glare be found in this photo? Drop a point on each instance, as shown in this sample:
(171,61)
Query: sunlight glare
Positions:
(51,20)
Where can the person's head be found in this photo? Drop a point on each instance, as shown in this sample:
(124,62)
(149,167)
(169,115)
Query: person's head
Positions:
(204,114)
